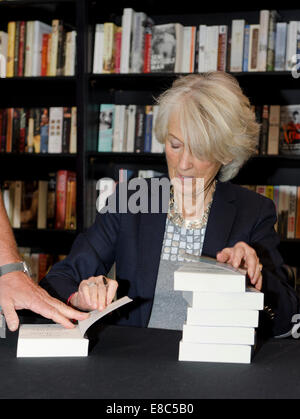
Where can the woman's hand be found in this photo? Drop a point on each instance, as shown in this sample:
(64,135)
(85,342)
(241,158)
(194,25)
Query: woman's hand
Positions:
(94,293)
(243,256)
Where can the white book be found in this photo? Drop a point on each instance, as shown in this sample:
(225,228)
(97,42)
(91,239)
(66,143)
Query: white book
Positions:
(291,45)
(264,17)
(53,340)
(69,69)
(116,132)
(131,112)
(210,352)
(201,48)
(213,334)
(54,47)
(179,47)
(39,28)
(237,45)
(42,204)
(29,48)
(211,48)
(137,45)
(127,27)
(16,218)
(280,46)
(2,325)
(252,299)
(3,53)
(253,47)
(188,43)
(240,318)
(98,49)
(56,115)
(274,126)
(208,275)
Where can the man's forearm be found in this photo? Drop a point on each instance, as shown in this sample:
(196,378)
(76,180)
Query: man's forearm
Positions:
(8,248)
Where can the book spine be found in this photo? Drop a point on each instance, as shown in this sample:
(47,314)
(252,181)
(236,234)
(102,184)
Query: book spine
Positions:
(16,216)
(49,54)
(3,53)
(246,48)
(11,30)
(148,128)
(22,41)
(37,131)
(137,45)
(30,131)
(139,129)
(3,131)
(127,20)
(16,130)
(118,43)
(54,47)
(73,135)
(237,43)
(222,48)
(179,47)
(29,47)
(201,48)
(264,130)
(109,47)
(271,41)
(9,129)
(264,18)
(280,47)
(61,48)
(70,53)
(51,200)
(253,48)
(98,49)
(211,48)
(44,130)
(61,197)
(185,66)
(67,115)
(45,42)
(274,125)
(291,45)
(297,234)
(147,49)
(106,127)
(55,130)
(23,120)
(70,219)
(131,128)
(42,204)
(16,48)
(292,212)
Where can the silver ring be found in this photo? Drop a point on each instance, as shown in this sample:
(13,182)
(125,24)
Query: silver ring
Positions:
(91,284)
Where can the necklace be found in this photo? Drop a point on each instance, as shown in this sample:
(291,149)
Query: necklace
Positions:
(176,217)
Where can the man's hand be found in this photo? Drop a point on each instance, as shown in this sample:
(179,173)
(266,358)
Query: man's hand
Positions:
(241,255)
(18,291)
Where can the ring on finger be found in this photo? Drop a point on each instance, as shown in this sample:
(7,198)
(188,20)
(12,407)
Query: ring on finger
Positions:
(260,267)
(91,284)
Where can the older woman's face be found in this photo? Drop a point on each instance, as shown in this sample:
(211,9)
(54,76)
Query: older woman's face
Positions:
(181,163)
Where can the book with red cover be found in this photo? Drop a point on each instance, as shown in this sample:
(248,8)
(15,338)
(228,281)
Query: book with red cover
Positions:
(21,51)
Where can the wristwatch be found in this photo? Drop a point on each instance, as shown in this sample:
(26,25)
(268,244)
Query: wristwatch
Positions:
(13,267)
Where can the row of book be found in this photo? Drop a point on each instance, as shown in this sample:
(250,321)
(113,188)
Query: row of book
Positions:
(34,48)
(38,263)
(38,130)
(128,128)
(287,202)
(280,129)
(140,46)
(222,313)
(41,204)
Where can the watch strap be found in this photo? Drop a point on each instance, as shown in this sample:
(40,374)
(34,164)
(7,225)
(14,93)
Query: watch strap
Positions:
(12,267)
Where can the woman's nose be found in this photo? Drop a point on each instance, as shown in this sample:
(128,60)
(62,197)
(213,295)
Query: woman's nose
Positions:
(185,161)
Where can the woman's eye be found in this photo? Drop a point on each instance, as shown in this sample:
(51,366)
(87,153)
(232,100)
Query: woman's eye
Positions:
(175,146)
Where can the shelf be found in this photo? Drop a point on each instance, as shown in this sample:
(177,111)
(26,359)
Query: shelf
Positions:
(101,157)
(49,241)
(33,166)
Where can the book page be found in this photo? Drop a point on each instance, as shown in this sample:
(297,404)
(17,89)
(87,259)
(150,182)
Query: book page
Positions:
(48,331)
(208,264)
(96,315)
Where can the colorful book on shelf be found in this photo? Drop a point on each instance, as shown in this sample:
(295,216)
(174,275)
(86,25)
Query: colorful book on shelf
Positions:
(290,130)
(106,126)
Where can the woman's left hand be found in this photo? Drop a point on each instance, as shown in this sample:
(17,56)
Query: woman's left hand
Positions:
(241,255)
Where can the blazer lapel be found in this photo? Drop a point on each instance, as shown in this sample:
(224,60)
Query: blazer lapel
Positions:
(220,220)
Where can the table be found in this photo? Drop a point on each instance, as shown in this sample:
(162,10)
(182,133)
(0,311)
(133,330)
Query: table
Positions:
(141,363)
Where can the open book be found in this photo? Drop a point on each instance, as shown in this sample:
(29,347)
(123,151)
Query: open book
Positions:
(53,340)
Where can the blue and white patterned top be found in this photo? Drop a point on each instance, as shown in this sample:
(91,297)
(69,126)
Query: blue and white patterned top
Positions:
(169,307)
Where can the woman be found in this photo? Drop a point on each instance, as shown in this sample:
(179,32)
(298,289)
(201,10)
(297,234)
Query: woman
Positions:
(209,132)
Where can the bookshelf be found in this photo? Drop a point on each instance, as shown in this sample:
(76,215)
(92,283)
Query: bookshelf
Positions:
(87,91)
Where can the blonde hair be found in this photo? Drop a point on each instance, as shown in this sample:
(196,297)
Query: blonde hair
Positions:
(215,117)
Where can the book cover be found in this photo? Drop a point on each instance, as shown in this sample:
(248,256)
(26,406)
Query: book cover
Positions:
(137,45)
(73,133)
(55,130)
(274,124)
(106,123)
(264,130)
(264,18)
(70,58)
(67,115)
(11,30)
(148,128)
(44,54)
(131,114)
(211,48)
(233,335)
(39,28)
(291,45)
(118,43)
(280,46)
(253,48)
(21,52)
(70,222)
(139,129)
(60,64)
(37,130)
(246,47)
(222,48)
(127,28)
(44,130)
(201,48)
(166,47)
(16,48)
(29,48)
(289,143)
(147,46)
(56,23)
(109,47)
(3,53)
(220,318)
(271,40)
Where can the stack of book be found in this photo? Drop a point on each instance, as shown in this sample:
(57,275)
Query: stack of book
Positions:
(2,325)
(222,312)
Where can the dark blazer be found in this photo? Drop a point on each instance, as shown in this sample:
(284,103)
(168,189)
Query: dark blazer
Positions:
(134,242)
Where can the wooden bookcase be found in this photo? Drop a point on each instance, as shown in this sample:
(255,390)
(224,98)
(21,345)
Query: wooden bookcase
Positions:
(87,91)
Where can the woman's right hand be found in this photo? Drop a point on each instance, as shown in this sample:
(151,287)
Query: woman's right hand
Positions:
(93,293)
